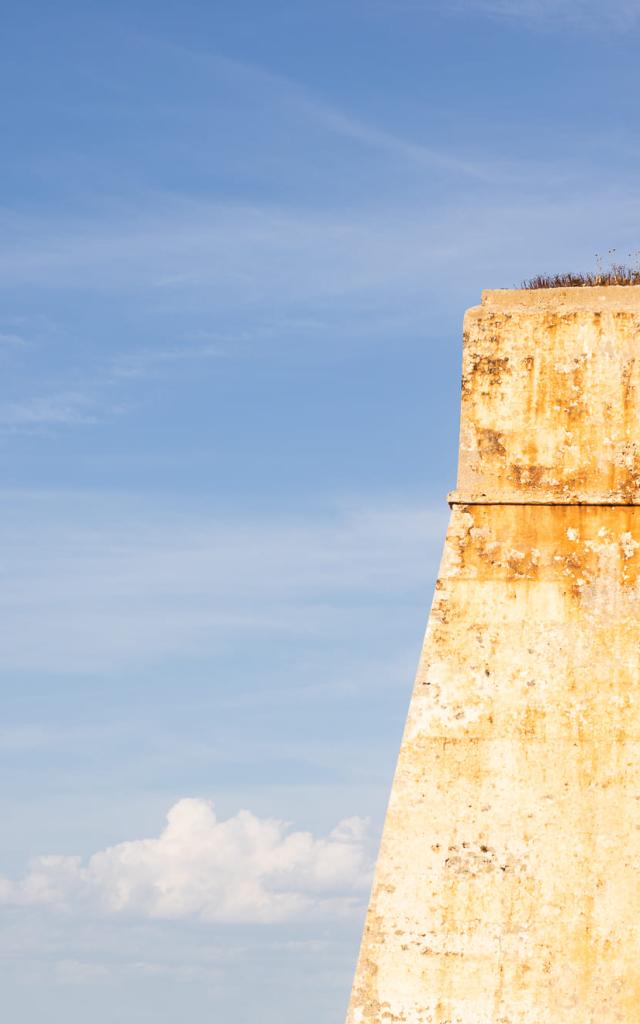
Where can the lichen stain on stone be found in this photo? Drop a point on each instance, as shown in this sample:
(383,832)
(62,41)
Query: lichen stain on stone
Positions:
(551,387)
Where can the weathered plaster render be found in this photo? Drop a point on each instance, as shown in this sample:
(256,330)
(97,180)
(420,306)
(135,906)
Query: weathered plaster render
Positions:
(507,889)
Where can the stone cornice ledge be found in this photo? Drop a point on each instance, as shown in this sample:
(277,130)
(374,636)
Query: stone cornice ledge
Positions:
(461,498)
(611,297)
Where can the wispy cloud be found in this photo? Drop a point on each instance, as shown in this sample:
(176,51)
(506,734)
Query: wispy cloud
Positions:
(550,14)
(11,339)
(231,253)
(78,972)
(335,121)
(244,258)
(90,585)
(96,402)
(334,279)
(243,254)
(145,362)
(63,409)
(243,869)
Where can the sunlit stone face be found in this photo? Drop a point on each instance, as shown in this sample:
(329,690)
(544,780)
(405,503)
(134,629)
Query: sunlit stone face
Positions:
(507,885)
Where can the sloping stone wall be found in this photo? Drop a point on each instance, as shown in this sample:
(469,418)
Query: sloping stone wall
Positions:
(507,889)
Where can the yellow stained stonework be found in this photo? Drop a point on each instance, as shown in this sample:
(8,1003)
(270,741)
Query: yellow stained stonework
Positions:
(507,889)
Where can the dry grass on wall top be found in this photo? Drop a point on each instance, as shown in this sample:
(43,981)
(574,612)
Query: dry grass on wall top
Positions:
(615,273)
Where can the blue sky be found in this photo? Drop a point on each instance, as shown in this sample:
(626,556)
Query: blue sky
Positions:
(237,243)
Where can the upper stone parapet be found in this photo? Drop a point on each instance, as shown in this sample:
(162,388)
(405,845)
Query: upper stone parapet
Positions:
(551,397)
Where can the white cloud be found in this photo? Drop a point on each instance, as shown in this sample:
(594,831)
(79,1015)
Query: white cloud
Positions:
(242,869)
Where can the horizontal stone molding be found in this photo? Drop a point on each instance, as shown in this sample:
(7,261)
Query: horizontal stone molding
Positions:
(459,498)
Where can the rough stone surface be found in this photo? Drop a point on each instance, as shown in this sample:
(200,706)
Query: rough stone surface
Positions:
(550,397)
(507,889)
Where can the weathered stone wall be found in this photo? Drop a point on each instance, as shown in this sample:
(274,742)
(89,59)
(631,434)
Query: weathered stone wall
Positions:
(507,889)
